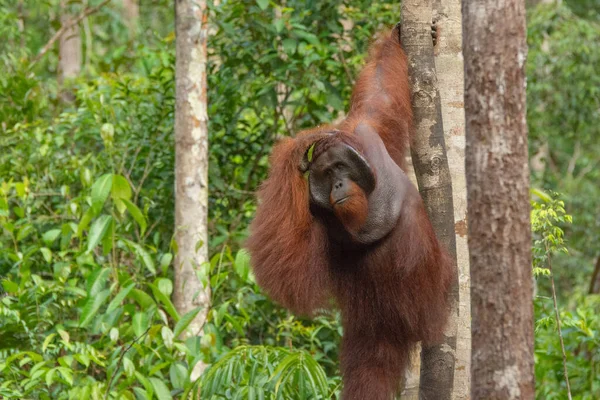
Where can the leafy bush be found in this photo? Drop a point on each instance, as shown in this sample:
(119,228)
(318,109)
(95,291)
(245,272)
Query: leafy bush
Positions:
(580,329)
(86,198)
(86,203)
(266,372)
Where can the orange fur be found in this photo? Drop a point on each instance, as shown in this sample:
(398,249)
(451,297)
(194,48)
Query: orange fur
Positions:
(392,293)
(284,235)
(381,96)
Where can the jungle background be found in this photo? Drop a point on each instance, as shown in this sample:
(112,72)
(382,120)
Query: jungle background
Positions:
(86,195)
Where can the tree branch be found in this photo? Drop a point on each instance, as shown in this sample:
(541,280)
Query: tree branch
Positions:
(134,341)
(65,27)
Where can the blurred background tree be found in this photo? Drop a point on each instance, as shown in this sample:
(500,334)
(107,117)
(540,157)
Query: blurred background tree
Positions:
(86,193)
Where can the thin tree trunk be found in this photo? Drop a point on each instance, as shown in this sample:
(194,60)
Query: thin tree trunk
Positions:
(449,66)
(495,50)
(191,161)
(410,391)
(595,281)
(21,23)
(433,176)
(69,46)
(131,13)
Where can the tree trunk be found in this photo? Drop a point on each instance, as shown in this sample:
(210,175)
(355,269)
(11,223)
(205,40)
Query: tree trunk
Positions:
(495,50)
(410,391)
(595,281)
(69,62)
(433,176)
(131,13)
(191,161)
(449,66)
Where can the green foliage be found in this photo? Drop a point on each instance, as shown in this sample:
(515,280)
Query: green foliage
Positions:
(581,333)
(276,69)
(86,199)
(563,97)
(589,9)
(580,329)
(265,372)
(80,316)
(548,237)
(563,100)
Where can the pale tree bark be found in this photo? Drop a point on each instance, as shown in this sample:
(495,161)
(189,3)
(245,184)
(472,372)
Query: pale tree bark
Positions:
(131,13)
(434,180)
(21,22)
(69,62)
(495,50)
(410,391)
(191,161)
(449,66)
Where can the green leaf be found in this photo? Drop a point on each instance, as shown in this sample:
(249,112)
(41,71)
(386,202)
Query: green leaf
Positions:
(263,4)
(120,188)
(92,306)
(185,321)
(120,192)
(140,323)
(108,240)
(97,281)
(289,45)
(147,385)
(98,231)
(50,236)
(279,24)
(242,264)
(335,100)
(64,335)
(20,189)
(86,177)
(114,334)
(50,376)
(162,392)
(9,286)
(165,301)
(100,191)
(47,253)
(541,194)
(136,214)
(128,367)
(47,341)
(83,359)
(142,298)
(220,313)
(116,302)
(143,254)
(107,132)
(24,232)
(85,221)
(141,393)
(309,37)
(19,212)
(167,336)
(165,260)
(178,374)
(165,286)
(157,367)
